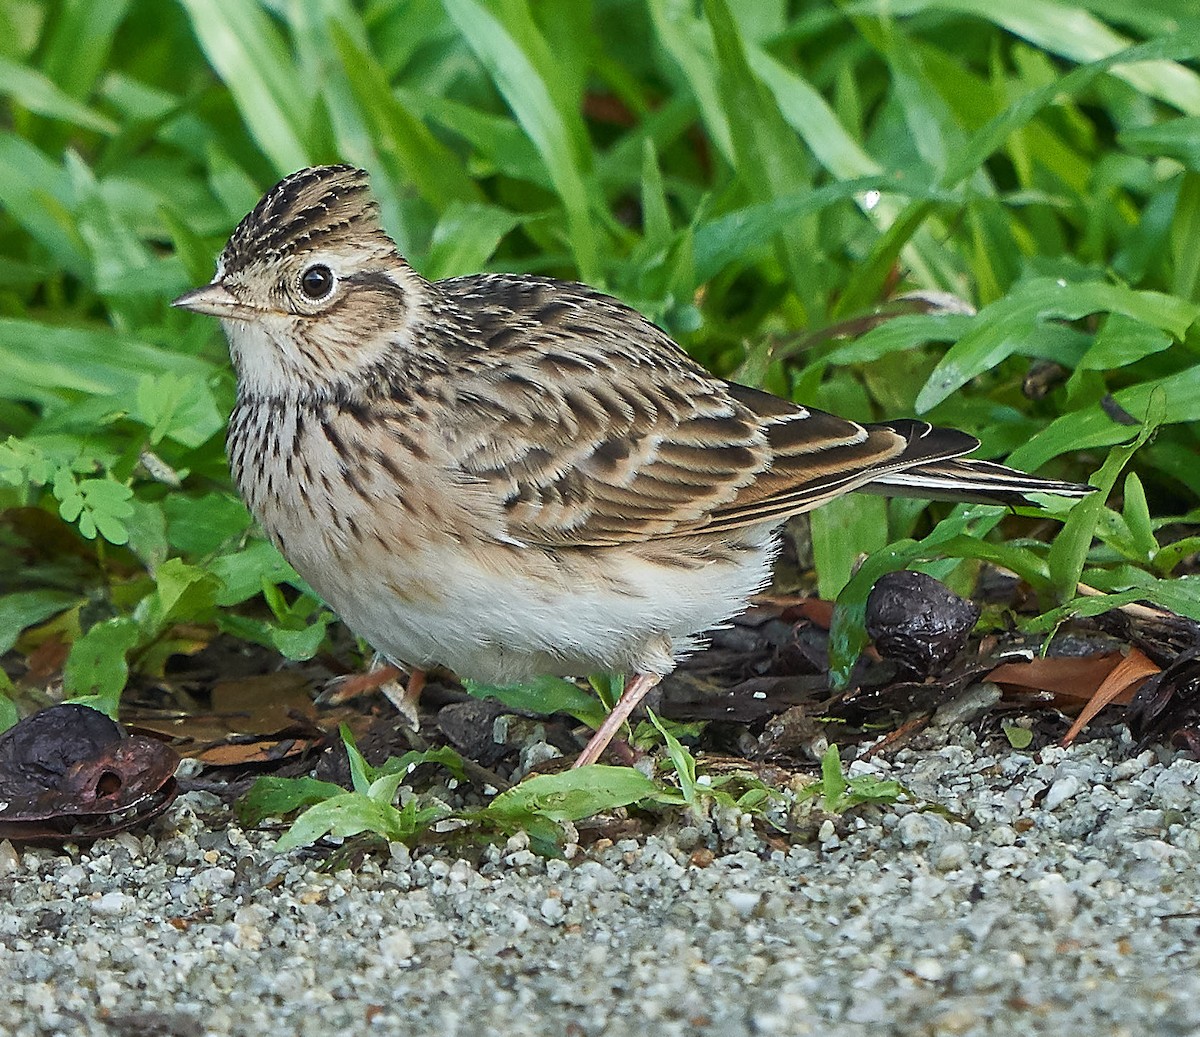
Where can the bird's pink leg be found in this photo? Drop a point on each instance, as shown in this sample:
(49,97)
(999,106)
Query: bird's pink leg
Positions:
(637,690)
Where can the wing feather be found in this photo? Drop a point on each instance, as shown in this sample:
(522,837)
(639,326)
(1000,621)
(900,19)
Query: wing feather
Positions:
(594,428)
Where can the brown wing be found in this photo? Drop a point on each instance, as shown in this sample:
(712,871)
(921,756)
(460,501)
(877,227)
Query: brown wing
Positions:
(595,429)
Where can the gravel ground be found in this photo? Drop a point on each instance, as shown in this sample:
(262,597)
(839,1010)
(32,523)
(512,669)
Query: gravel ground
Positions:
(1058,893)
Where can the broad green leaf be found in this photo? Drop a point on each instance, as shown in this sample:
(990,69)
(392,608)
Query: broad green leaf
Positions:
(278,797)
(465,238)
(1002,326)
(767,156)
(842,531)
(301,645)
(1018,737)
(1179,395)
(544,695)
(833,781)
(352,814)
(53,362)
(1122,340)
(498,143)
(182,593)
(8,712)
(179,406)
(200,525)
(23,609)
(96,669)
(572,795)
(243,572)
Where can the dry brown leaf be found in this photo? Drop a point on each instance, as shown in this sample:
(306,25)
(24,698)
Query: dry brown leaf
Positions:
(1071,677)
(265,751)
(1127,676)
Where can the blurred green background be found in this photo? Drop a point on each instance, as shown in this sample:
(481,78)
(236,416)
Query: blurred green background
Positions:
(987,214)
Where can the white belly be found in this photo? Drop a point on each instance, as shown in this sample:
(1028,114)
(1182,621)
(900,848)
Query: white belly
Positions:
(521,612)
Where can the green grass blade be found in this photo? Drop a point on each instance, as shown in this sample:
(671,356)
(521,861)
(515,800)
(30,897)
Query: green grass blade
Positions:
(34,91)
(1003,325)
(529,96)
(407,148)
(248,51)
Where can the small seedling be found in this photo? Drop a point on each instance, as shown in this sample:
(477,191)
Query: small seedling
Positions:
(838,793)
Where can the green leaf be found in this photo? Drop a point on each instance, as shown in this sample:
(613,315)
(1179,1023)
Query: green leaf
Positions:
(1122,341)
(278,797)
(96,669)
(302,644)
(465,238)
(842,531)
(839,794)
(50,364)
(409,151)
(24,609)
(1175,398)
(352,814)
(544,695)
(362,774)
(549,124)
(247,51)
(8,711)
(689,41)
(243,573)
(199,525)
(572,795)
(37,194)
(32,90)
(726,239)
(683,762)
(1004,324)
(767,156)
(183,593)
(1136,513)
(99,506)
(177,405)
(1180,594)
(441,756)
(1185,239)
(1018,737)
(1068,552)
(1176,138)
(833,781)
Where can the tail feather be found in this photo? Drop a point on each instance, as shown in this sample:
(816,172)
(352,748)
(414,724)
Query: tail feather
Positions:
(967,479)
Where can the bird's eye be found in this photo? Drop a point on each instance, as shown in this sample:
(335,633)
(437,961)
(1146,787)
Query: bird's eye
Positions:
(317,281)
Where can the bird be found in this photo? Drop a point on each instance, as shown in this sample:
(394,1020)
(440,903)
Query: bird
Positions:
(510,475)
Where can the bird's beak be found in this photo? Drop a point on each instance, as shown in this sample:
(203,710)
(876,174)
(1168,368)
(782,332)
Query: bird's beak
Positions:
(217,301)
